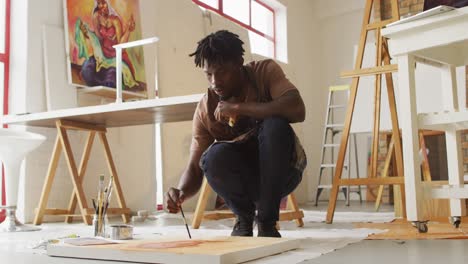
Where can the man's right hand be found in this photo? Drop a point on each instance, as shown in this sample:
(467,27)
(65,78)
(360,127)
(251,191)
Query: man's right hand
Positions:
(173,199)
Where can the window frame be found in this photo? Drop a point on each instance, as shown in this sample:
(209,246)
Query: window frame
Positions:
(249,27)
(5,59)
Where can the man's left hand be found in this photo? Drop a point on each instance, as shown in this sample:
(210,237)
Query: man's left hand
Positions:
(224,110)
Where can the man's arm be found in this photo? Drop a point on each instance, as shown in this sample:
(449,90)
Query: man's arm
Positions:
(189,183)
(290,106)
(192,177)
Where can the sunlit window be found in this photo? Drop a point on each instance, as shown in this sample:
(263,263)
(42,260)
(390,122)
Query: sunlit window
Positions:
(4,72)
(4,56)
(2,25)
(261,18)
(2,80)
(237,9)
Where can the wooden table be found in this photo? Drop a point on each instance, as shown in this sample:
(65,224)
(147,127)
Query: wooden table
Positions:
(96,120)
(441,41)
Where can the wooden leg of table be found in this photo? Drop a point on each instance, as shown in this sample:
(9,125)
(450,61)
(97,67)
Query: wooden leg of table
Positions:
(409,125)
(48,181)
(111,165)
(201,204)
(293,205)
(73,172)
(455,169)
(81,173)
(395,124)
(449,86)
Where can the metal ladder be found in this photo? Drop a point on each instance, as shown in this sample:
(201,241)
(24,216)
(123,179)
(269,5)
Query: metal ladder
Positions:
(328,143)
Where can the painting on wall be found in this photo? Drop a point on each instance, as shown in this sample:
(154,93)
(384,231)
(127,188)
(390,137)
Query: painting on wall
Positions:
(92,28)
(428,4)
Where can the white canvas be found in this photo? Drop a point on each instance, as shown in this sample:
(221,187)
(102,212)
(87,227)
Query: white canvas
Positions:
(59,93)
(215,250)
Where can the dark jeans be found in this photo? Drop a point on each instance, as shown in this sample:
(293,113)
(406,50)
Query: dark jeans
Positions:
(255,174)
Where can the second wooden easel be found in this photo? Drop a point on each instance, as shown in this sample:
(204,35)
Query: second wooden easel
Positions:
(382,66)
(78,197)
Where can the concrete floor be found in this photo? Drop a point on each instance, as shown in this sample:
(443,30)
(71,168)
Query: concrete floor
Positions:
(392,252)
(367,251)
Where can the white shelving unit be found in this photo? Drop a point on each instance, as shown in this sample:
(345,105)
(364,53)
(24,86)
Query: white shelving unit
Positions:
(441,41)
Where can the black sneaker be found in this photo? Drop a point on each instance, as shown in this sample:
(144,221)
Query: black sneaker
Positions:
(243,227)
(268,230)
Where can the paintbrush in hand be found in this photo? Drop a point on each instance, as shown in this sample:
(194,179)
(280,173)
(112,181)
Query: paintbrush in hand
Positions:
(183,217)
(185,221)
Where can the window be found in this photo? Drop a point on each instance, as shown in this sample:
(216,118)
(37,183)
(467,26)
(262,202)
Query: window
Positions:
(4,51)
(4,71)
(260,18)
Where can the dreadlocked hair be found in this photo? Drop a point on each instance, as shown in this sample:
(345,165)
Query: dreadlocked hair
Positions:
(218,48)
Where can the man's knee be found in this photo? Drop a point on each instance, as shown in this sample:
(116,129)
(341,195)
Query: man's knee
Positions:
(276,128)
(292,183)
(215,159)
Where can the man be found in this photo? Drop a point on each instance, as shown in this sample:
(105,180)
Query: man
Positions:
(242,141)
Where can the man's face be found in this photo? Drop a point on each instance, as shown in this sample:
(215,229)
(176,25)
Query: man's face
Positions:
(223,78)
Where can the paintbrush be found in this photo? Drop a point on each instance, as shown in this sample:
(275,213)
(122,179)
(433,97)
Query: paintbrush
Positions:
(109,188)
(185,221)
(183,217)
(94,206)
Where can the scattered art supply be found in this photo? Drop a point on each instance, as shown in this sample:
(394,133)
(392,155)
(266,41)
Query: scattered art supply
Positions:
(215,250)
(121,232)
(141,216)
(185,221)
(42,244)
(138,219)
(143,213)
(87,241)
(100,207)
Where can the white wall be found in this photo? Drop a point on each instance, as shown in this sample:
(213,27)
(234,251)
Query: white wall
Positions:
(339,27)
(19,54)
(304,70)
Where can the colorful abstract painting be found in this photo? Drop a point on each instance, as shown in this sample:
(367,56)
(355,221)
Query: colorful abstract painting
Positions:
(92,28)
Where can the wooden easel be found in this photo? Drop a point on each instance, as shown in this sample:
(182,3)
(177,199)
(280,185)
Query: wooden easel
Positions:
(62,142)
(383,66)
(294,214)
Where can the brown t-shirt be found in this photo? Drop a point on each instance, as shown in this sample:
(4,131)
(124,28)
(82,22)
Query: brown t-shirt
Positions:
(268,82)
